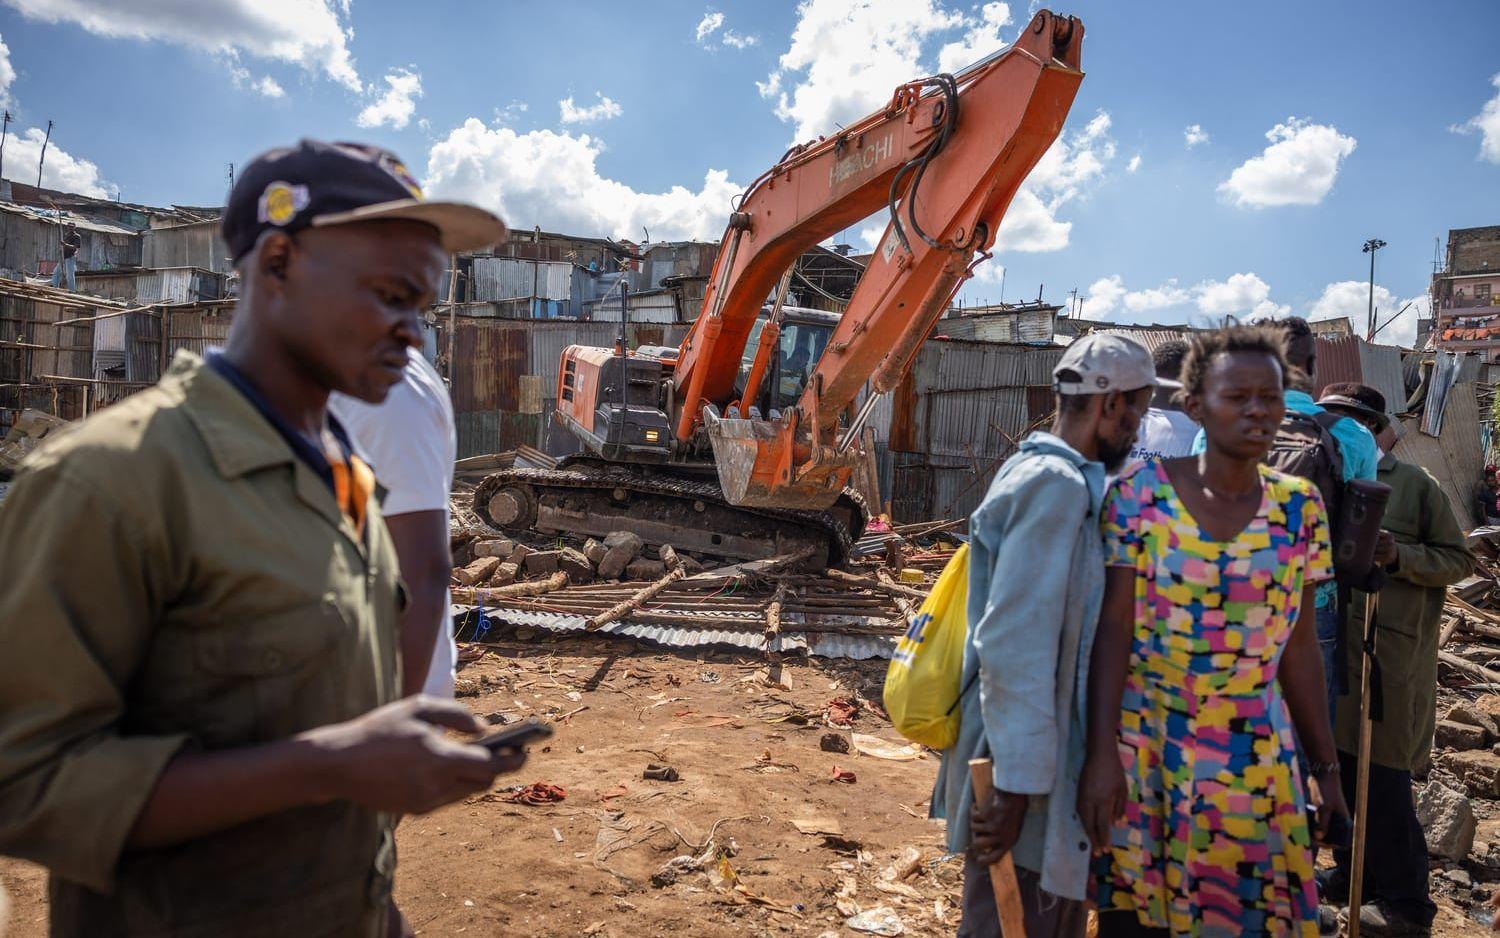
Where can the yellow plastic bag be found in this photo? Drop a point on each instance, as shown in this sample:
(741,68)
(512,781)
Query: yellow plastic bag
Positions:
(922,682)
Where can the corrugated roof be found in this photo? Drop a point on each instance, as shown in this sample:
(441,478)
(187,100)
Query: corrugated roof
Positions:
(1150,339)
(823,644)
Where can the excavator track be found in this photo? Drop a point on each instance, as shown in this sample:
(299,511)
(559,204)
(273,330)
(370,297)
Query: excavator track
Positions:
(591,498)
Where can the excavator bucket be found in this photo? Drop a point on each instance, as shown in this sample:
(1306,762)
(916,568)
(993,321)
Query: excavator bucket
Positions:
(755,471)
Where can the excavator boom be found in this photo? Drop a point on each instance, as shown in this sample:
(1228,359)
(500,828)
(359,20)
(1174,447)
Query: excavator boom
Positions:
(946,156)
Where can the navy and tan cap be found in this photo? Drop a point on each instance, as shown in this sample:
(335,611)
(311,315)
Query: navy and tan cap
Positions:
(315,184)
(1100,362)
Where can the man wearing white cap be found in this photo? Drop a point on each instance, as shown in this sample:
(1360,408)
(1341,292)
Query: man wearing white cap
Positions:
(1036,581)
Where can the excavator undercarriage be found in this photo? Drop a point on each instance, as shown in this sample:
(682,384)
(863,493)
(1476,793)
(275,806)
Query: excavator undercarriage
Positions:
(589,497)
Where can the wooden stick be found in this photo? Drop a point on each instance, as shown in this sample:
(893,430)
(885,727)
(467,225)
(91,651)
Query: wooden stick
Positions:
(892,589)
(1469,668)
(553,583)
(772,633)
(643,596)
(908,611)
(1362,777)
(1003,872)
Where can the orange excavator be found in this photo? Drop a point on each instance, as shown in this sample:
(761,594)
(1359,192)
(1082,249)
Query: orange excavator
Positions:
(741,443)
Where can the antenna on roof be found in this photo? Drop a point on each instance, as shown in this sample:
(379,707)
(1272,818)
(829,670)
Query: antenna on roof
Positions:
(231,177)
(3,128)
(43,159)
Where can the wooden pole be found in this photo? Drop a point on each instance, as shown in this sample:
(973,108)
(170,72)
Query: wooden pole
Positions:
(1362,776)
(452,316)
(643,596)
(1002,873)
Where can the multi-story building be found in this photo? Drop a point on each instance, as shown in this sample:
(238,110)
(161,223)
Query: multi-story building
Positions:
(1466,293)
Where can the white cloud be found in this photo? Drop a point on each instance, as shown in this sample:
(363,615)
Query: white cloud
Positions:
(1134,164)
(1104,295)
(846,56)
(1067,171)
(734,39)
(1244,295)
(982,39)
(1351,298)
(395,107)
(1298,168)
(605,109)
(1194,135)
(269,87)
(61,171)
(1487,124)
(552,179)
(307,33)
(7,76)
(709,24)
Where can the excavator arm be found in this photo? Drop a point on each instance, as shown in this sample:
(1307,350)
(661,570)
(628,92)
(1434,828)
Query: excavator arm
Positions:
(946,155)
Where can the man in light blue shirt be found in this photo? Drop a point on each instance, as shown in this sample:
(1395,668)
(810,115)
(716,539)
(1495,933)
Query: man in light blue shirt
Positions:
(1360,456)
(1036,581)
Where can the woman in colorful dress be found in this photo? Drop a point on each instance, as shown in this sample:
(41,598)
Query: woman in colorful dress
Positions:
(1205,660)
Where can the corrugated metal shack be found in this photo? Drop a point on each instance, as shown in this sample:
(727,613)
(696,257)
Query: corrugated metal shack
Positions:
(1033,323)
(955,418)
(29,241)
(192,245)
(142,286)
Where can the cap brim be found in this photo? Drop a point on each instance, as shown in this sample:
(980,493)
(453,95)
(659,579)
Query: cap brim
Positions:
(461,227)
(1350,409)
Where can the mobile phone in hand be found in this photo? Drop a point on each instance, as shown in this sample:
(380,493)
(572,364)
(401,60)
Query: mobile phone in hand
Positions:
(516,735)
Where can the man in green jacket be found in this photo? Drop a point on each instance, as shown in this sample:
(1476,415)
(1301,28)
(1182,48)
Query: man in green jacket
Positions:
(1422,549)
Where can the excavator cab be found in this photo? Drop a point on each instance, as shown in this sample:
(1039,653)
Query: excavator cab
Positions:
(804,336)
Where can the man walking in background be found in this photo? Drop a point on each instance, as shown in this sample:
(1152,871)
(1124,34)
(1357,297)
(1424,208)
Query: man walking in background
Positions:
(411,443)
(1166,430)
(1422,549)
(1036,581)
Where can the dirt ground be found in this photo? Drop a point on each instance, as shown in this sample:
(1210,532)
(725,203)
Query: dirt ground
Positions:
(750,762)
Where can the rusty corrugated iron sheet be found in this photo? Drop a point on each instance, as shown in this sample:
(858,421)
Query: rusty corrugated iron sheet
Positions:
(1149,339)
(1456,456)
(1349,358)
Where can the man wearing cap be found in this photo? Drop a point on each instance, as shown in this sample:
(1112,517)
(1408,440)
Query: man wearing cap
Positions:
(1423,552)
(1036,581)
(201,731)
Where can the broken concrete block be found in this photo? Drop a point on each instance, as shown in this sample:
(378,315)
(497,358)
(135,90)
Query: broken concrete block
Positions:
(690,564)
(594,550)
(505,574)
(625,539)
(477,572)
(1479,770)
(497,547)
(518,556)
(621,547)
(541,562)
(1447,819)
(644,569)
(1473,716)
(576,565)
(1451,735)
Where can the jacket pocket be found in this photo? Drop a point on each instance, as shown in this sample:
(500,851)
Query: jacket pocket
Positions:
(274,676)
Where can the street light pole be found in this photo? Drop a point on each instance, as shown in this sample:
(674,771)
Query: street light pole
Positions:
(1371,246)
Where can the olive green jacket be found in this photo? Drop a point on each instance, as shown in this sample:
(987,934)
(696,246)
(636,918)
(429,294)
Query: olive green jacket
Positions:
(1430,556)
(177,579)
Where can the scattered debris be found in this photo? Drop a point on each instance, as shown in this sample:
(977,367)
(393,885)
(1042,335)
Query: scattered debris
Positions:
(834,742)
(843,775)
(660,772)
(884,749)
(840,712)
(881,920)
(537,793)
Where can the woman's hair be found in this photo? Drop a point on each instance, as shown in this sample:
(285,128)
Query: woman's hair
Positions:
(1229,338)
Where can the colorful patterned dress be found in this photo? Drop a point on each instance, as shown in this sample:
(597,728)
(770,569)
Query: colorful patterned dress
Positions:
(1215,839)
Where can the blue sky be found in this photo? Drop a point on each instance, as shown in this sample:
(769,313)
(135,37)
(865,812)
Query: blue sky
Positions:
(152,98)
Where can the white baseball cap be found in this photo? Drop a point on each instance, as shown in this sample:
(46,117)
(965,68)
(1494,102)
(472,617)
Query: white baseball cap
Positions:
(1099,363)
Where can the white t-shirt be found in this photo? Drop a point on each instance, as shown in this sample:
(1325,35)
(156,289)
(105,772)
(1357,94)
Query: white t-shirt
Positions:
(1164,434)
(411,443)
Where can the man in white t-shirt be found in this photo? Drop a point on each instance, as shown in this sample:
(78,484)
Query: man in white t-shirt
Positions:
(1166,432)
(410,441)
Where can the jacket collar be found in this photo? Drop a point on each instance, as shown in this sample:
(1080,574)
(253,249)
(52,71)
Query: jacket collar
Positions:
(1042,443)
(239,439)
(1387,463)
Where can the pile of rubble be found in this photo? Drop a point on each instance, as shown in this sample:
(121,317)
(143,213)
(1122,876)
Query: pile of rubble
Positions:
(1458,800)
